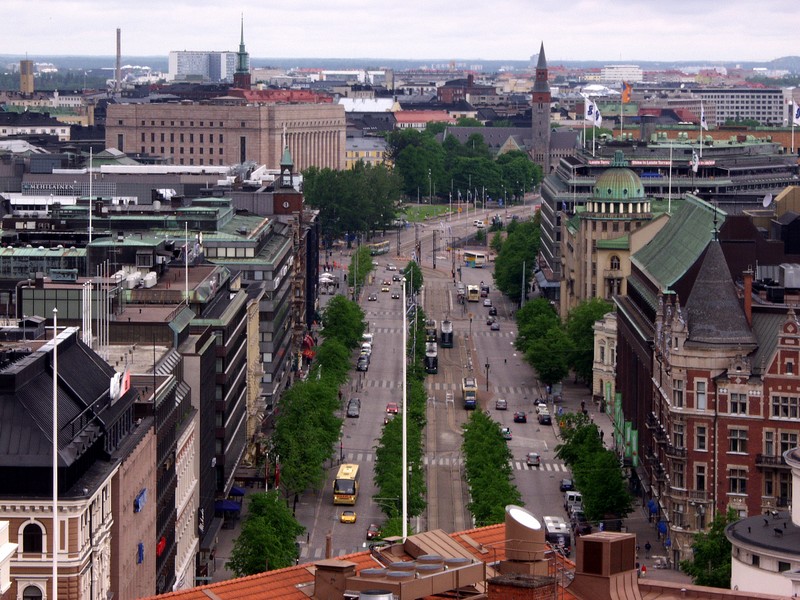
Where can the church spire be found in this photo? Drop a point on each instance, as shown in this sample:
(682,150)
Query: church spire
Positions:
(241,78)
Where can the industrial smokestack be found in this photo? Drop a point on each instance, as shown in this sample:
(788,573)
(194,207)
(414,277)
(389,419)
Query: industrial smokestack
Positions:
(118,77)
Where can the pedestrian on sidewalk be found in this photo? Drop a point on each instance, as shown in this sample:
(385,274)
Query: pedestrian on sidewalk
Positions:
(647,548)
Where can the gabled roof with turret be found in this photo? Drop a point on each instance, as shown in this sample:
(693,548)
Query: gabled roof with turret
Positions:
(715,317)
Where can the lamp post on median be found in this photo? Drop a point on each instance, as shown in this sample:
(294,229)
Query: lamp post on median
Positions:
(404,461)
(487,365)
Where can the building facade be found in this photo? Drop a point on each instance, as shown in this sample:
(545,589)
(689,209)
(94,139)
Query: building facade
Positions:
(223,134)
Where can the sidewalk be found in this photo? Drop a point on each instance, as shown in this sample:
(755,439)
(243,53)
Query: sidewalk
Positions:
(637,521)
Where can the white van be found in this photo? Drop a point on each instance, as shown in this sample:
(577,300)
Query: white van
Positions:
(367,338)
(572,501)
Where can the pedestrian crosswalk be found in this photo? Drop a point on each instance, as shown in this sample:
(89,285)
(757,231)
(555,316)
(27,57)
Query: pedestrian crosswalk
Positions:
(362,457)
(509,391)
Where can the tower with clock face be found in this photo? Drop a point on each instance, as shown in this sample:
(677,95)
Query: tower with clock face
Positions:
(286,199)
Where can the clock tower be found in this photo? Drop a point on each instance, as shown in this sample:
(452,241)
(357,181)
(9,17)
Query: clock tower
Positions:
(286,199)
(540,116)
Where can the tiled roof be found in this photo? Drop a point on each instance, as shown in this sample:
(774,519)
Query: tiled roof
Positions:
(713,310)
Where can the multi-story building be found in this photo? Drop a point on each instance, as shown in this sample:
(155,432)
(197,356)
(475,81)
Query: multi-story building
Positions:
(99,437)
(765,105)
(706,375)
(369,150)
(736,173)
(201,66)
(32,123)
(620,73)
(219,133)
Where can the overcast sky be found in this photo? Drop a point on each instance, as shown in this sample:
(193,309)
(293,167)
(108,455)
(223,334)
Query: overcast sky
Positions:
(705,31)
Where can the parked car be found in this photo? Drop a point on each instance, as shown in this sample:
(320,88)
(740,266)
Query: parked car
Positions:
(572,500)
(487,301)
(493,311)
(373,531)
(348,516)
(532,459)
(520,417)
(392,408)
(501,404)
(362,364)
(566,485)
(506,432)
(580,524)
(353,408)
(544,417)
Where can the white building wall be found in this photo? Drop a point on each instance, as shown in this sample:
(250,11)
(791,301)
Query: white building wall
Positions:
(748,578)
(187,500)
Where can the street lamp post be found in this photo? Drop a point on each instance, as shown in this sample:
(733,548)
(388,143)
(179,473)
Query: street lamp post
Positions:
(404,465)
(430,188)
(487,365)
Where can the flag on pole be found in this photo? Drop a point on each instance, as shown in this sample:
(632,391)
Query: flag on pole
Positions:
(589,110)
(703,124)
(598,118)
(796,115)
(695,161)
(627,89)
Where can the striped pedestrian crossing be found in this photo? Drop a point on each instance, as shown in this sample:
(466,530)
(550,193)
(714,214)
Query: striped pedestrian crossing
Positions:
(452,461)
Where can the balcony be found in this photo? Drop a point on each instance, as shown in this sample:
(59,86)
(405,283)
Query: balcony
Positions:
(696,496)
(660,436)
(770,461)
(652,422)
(674,452)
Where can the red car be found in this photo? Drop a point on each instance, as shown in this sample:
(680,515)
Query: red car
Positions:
(373,531)
(520,417)
(392,408)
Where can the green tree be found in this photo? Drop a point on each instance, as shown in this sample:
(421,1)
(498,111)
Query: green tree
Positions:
(414,279)
(519,250)
(534,320)
(497,242)
(267,540)
(549,355)
(711,562)
(360,266)
(343,319)
(580,323)
(604,489)
(468,122)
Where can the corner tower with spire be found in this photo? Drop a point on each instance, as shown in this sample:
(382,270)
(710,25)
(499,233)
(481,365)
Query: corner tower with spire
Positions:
(241,77)
(540,115)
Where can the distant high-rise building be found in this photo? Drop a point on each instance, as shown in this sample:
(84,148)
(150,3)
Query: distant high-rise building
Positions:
(201,65)
(540,115)
(26,77)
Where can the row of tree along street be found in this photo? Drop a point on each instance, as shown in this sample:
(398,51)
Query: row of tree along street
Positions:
(364,199)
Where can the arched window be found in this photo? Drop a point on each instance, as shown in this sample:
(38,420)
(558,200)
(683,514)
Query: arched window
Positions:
(615,263)
(32,592)
(32,538)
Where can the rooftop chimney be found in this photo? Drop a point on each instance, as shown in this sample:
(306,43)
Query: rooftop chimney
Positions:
(748,296)
(606,567)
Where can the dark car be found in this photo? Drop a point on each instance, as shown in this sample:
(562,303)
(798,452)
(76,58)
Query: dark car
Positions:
(373,531)
(353,408)
(520,417)
(490,319)
(566,485)
(362,364)
(372,297)
(492,311)
(396,277)
(580,524)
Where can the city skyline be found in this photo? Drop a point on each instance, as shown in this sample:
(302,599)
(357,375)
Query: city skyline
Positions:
(625,30)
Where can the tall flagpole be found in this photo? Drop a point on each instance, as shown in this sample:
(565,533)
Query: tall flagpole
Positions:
(90,195)
(669,193)
(55,454)
(404,461)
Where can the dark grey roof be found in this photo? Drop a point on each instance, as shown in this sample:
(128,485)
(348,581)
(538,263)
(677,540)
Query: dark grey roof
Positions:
(494,137)
(787,218)
(564,138)
(776,533)
(766,326)
(715,316)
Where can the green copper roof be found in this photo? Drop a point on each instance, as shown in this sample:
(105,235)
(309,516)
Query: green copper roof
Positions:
(618,182)
(286,159)
(620,243)
(680,243)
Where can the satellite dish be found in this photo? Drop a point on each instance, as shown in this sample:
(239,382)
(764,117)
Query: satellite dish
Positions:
(767,200)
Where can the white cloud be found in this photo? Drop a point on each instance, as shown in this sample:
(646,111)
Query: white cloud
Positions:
(696,30)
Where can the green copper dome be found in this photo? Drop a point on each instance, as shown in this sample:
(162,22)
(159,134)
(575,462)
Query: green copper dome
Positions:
(618,182)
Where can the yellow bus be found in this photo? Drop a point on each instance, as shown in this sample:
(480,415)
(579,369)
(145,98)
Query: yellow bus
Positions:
(376,248)
(345,486)
(473,293)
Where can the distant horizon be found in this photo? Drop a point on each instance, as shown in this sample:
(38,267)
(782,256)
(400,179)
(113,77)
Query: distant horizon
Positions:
(374,62)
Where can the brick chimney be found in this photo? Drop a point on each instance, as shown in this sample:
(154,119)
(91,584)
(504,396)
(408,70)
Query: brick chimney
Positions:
(606,567)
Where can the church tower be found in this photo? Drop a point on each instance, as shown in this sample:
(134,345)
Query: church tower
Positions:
(540,116)
(241,78)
